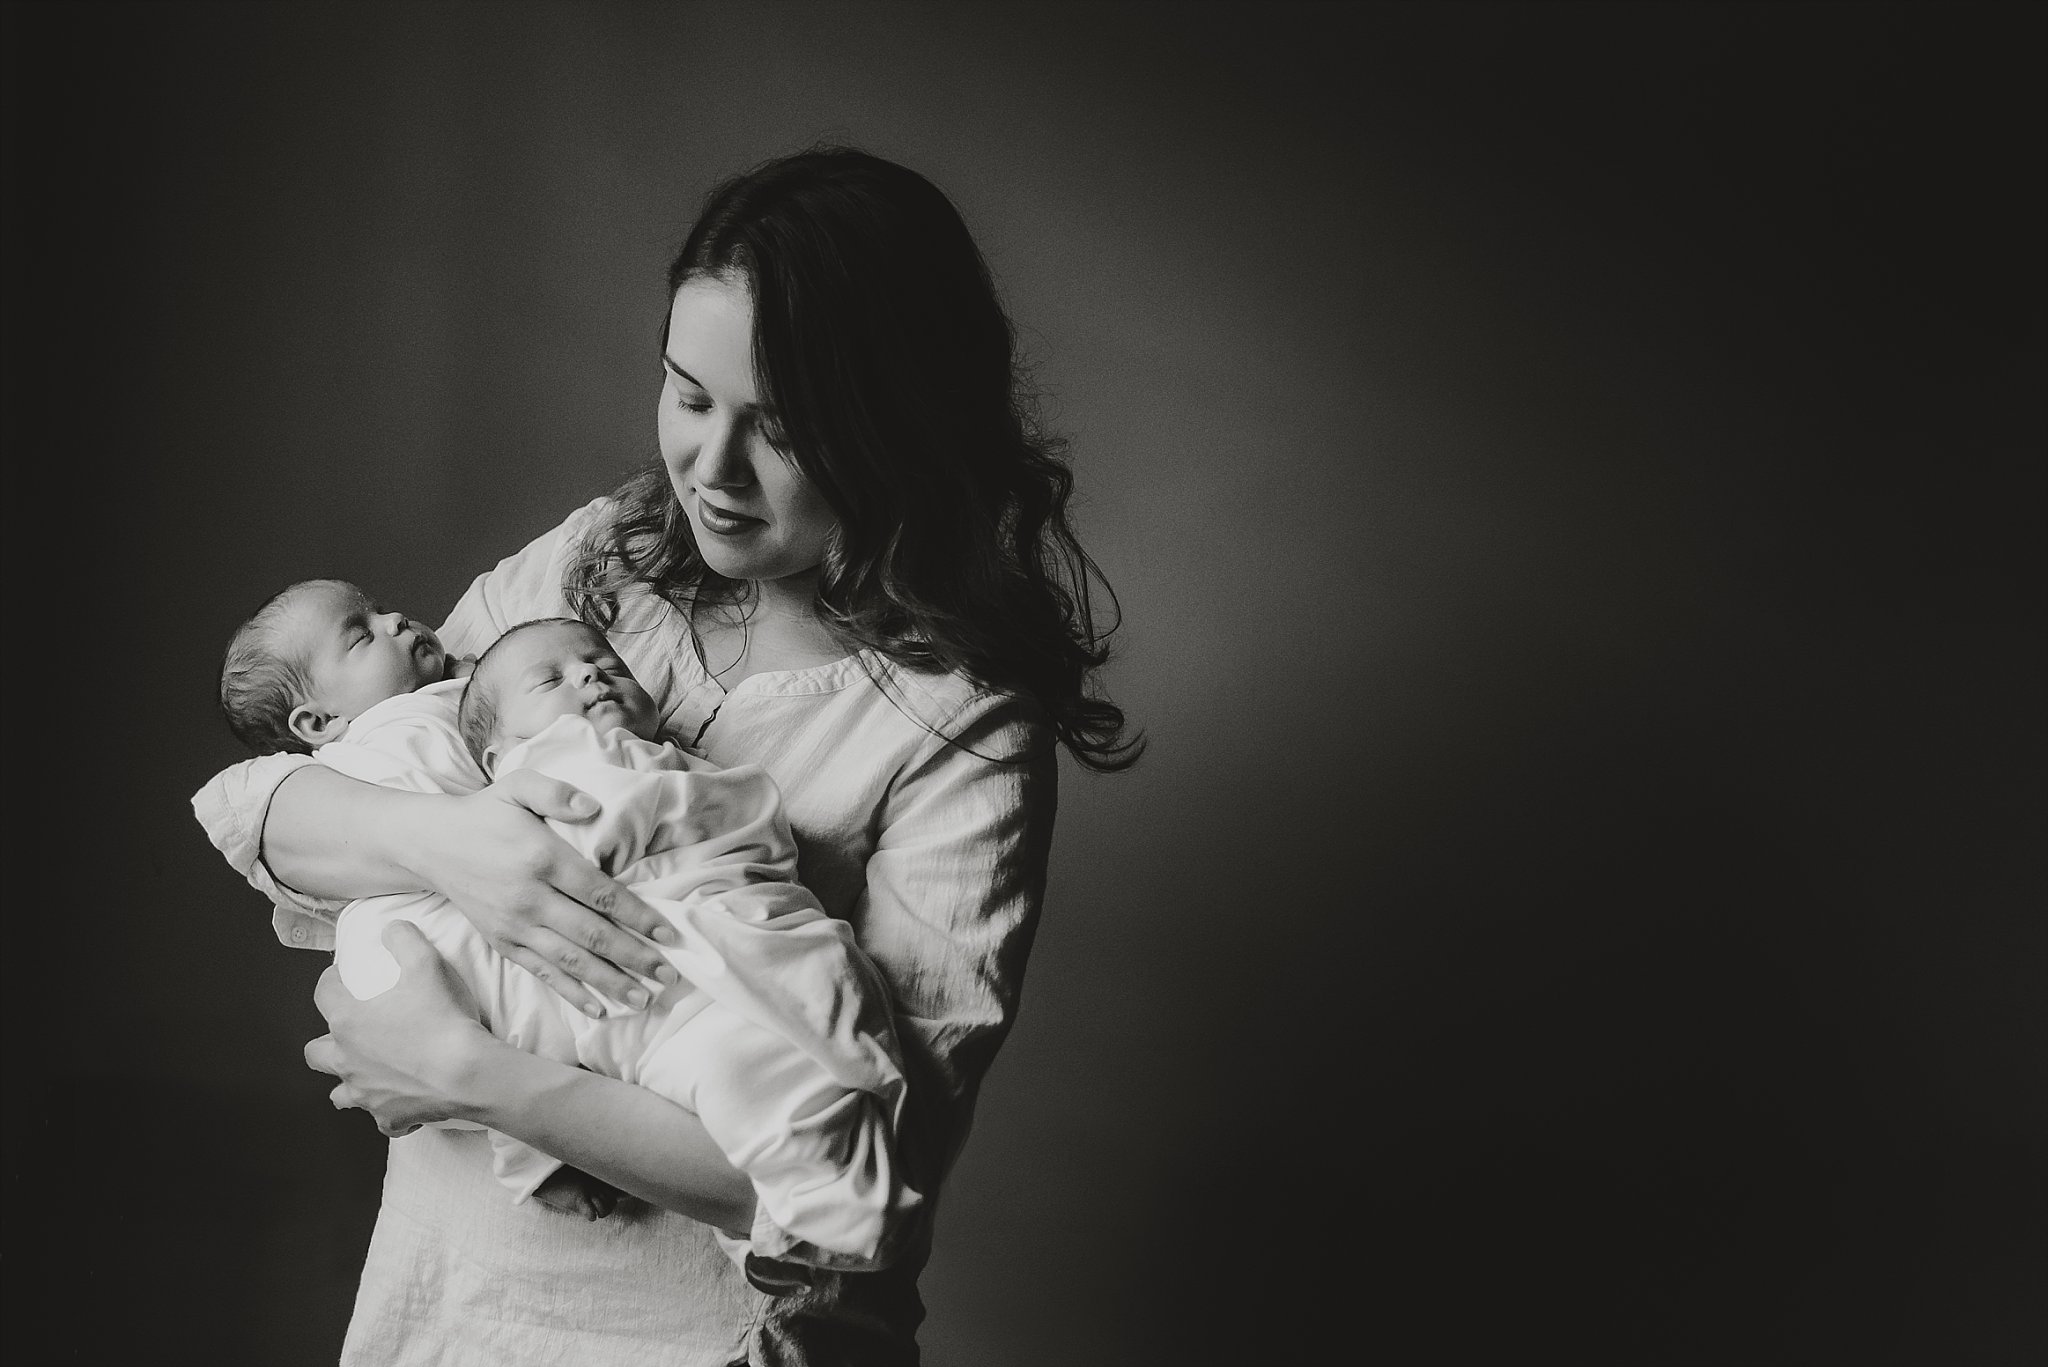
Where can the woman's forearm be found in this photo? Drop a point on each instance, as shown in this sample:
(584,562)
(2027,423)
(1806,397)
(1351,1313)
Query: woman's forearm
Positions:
(532,895)
(334,836)
(635,1139)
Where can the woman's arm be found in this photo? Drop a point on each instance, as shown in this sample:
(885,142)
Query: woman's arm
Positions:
(952,901)
(636,1139)
(323,834)
(309,841)
(952,898)
(535,899)
(415,1054)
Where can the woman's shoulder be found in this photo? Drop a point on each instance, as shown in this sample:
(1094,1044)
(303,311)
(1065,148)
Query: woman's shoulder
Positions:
(953,706)
(541,560)
(564,535)
(564,541)
(522,586)
(592,516)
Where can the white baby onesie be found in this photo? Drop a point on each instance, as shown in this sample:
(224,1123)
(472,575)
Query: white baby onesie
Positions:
(778,1037)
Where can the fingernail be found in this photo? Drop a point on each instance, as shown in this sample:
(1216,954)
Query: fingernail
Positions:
(593,1010)
(638,996)
(665,934)
(582,806)
(665,975)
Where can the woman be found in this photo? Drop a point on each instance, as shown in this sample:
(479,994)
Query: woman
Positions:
(853,568)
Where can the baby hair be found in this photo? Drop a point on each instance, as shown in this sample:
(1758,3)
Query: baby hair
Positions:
(264,677)
(477,716)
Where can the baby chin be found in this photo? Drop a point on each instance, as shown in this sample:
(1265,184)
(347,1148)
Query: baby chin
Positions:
(607,715)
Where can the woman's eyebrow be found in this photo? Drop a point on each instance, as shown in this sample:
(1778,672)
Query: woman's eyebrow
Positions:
(687,378)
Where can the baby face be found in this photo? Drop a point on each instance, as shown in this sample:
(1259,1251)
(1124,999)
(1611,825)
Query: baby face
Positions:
(564,669)
(357,653)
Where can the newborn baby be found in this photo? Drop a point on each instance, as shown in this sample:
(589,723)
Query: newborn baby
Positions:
(778,1035)
(315,657)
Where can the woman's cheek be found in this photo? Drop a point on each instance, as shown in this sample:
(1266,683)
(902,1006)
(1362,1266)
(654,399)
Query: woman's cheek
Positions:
(670,438)
(664,433)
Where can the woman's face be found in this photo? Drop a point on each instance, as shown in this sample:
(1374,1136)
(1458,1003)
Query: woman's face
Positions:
(755,515)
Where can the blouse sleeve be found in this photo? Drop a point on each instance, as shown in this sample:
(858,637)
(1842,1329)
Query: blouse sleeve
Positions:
(232,807)
(953,893)
(234,804)
(523,586)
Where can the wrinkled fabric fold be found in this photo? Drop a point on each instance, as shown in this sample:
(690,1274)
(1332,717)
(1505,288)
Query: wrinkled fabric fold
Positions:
(923,805)
(778,1036)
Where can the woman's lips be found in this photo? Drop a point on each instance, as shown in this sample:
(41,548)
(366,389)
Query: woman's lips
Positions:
(715,519)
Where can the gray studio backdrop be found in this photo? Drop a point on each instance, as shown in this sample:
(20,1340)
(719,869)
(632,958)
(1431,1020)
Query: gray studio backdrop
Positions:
(1579,863)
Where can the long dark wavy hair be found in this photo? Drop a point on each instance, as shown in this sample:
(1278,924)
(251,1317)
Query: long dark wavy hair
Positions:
(891,366)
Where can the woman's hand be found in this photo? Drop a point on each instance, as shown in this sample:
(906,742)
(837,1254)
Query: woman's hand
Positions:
(404,1054)
(414,1054)
(538,901)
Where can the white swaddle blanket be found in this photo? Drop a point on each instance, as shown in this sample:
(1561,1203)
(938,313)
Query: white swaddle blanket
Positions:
(779,1036)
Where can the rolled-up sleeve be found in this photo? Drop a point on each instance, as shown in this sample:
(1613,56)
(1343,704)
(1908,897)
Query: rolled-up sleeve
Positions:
(953,893)
(231,808)
(234,804)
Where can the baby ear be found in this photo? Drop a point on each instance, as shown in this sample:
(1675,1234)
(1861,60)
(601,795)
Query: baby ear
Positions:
(490,761)
(314,726)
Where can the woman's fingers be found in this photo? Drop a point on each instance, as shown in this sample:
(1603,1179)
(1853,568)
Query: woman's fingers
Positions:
(331,996)
(589,885)
(323,1055)
(423,973)
(527,889)
(544,796)
(585,965)
(552,978)
(413,950)
(403,1054)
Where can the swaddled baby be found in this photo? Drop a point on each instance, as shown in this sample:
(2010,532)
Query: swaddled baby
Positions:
(778,1035)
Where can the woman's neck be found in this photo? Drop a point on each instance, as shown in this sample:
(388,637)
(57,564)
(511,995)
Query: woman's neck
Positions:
(793,600)
(773,626)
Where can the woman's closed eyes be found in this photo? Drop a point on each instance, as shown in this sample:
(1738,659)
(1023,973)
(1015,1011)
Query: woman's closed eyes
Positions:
(695,401)
(687,397)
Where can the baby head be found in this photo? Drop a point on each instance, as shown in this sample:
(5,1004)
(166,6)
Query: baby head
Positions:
(539,672)
(314,658)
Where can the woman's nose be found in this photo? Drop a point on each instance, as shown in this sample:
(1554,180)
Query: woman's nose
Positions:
(722,461)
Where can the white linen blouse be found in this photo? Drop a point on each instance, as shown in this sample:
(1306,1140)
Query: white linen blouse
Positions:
(923,808)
